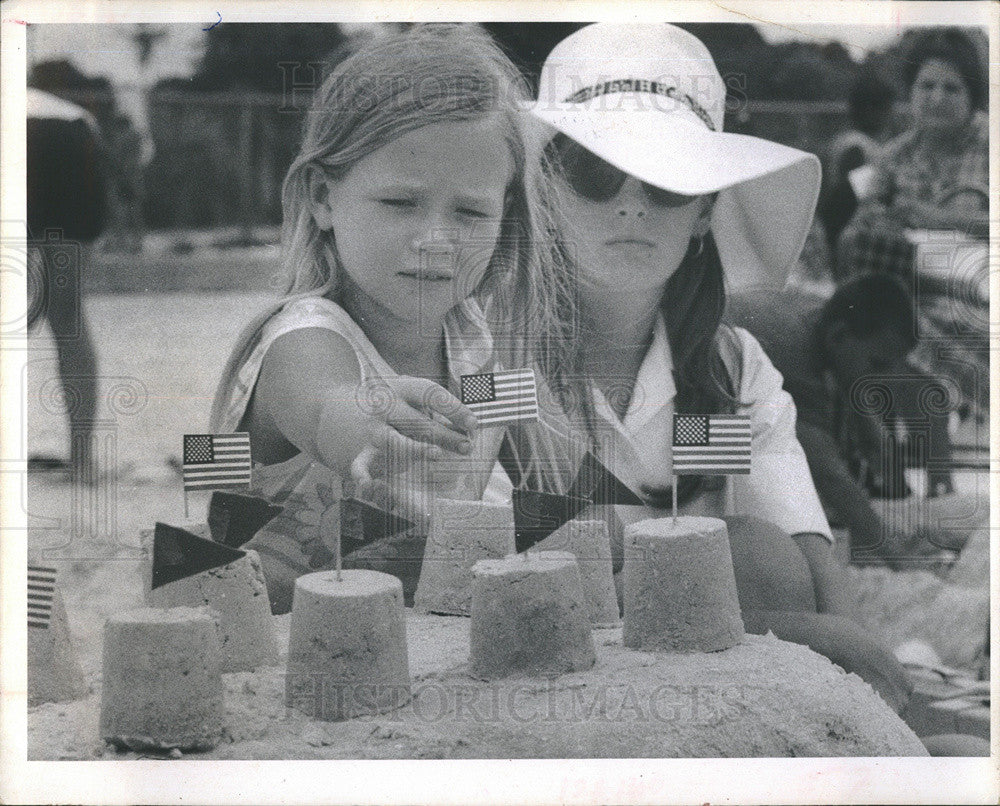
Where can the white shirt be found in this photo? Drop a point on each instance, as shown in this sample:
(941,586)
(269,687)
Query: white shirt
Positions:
(779,487)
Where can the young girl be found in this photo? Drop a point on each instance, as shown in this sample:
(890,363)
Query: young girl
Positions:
(660,204)
(411,202)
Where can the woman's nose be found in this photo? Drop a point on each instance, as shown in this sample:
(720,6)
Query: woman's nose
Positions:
(631,201)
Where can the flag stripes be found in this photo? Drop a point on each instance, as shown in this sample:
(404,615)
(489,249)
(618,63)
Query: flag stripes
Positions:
(501,397)
(216,461)
(711,444)
(41,592)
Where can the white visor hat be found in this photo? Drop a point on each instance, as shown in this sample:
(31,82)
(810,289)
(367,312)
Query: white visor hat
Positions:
(647,98)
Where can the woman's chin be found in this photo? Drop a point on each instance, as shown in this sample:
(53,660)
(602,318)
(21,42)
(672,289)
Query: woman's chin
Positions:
(644,268)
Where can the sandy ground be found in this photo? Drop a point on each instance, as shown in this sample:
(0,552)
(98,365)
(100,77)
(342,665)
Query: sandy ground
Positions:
(159,357)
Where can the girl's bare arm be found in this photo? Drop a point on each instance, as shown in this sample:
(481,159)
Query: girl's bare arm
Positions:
(310,387)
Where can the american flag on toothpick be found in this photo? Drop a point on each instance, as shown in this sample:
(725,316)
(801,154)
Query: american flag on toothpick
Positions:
(711,444)
(216,461)
(497,398)
(41,592)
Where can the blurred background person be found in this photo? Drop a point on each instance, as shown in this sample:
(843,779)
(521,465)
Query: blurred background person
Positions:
(835,355)
(67,210)
(936,174)
(869,106)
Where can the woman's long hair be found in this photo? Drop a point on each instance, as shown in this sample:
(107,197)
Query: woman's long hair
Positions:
(693,305)
(394,85)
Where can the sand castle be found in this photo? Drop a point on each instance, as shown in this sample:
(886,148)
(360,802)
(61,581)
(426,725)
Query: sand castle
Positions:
(763,697)
(348,656)
(237,592)
(347,651)
(529,617)
(461,534)
(588,541)
(680,589)
(162,684)
(54,673)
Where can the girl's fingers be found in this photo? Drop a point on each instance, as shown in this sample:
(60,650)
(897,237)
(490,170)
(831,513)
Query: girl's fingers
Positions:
(362,468)
(419,426)
(425,395)
(374,470)
(389,454)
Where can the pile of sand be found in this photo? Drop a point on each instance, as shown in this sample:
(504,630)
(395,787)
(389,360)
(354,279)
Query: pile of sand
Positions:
(764,697)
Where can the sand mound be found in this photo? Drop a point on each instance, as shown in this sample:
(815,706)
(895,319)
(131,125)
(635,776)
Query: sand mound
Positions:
(764,697)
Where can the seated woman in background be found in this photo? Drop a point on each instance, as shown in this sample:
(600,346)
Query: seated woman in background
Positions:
(934,176)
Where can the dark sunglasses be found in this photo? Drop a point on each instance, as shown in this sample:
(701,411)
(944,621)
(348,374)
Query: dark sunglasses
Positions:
(595,179)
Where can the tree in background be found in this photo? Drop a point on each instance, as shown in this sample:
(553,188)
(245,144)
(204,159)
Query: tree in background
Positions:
(250,55)
(225,136)
(763,71)
(528,44)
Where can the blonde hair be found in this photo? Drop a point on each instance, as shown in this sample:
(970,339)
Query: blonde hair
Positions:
(394,85)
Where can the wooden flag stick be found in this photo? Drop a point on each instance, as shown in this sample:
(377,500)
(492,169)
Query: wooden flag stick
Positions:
(346,491)
(338,562)
(674,496)
(524,554)
(186,516)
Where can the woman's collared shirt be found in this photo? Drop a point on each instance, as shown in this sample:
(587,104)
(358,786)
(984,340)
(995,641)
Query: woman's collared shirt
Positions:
(638,447)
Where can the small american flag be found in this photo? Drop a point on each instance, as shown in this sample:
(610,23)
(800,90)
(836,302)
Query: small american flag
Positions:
(711,444)
(216,461)
(501,397)
(41,591)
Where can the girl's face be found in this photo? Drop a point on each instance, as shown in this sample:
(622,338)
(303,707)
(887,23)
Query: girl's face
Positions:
(635,238)
(417,221)
(939,98)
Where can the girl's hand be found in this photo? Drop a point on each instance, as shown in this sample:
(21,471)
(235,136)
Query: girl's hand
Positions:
(310,391)
(390,426)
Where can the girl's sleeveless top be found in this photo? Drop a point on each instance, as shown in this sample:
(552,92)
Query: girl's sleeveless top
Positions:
(302,539)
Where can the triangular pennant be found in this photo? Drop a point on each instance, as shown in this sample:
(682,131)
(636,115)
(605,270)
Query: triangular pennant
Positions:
(600,486)
(233,518)
(362,523)
(508,461)
(178,554)
(537,515)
